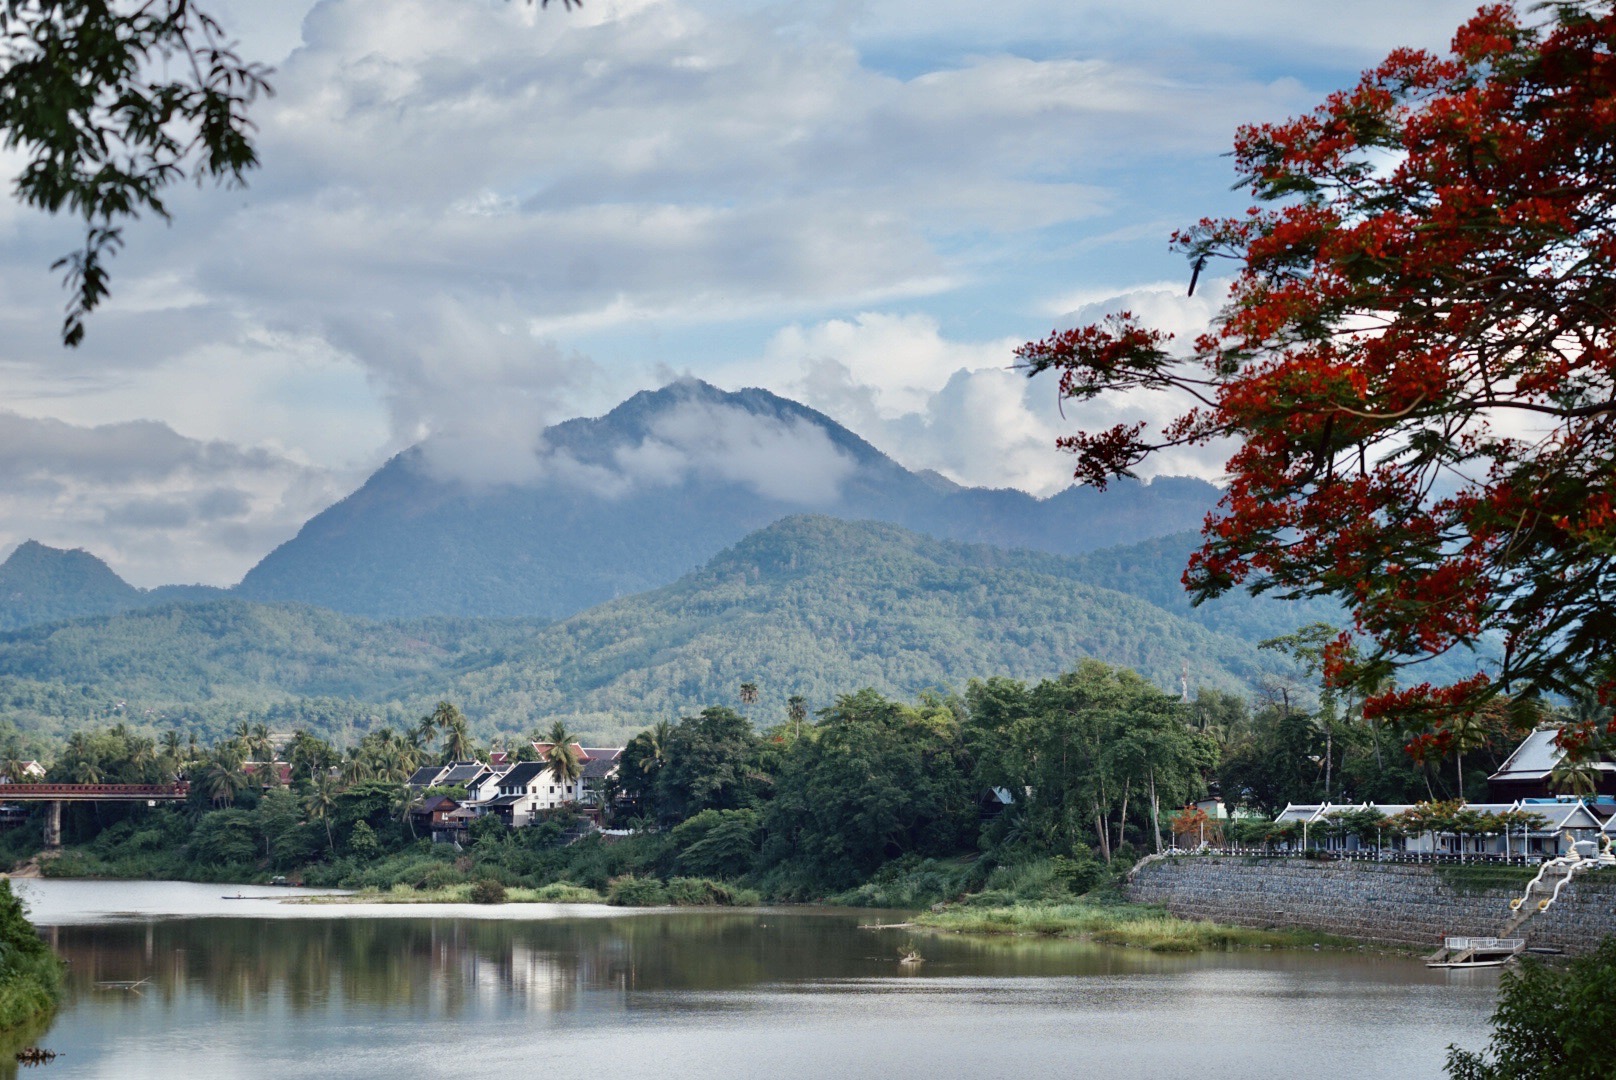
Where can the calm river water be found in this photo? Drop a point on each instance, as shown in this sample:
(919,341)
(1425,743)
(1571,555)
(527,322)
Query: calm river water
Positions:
(254,988)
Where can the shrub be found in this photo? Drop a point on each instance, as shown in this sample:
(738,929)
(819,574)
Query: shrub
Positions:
(701,892)
(1550,1024)
(630,890)
(487,891)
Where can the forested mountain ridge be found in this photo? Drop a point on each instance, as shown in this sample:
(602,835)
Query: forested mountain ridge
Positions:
(631,500)
(811,605)
(41,584)
(817,606)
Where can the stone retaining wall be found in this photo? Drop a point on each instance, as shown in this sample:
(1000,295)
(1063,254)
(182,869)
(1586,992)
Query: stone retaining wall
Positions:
(1394,903)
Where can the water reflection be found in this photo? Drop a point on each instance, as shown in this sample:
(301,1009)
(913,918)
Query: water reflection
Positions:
(770,994)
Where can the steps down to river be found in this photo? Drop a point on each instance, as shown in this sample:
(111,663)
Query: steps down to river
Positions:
(1393,903)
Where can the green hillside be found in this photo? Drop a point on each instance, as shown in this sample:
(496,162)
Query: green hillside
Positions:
(811,605)
(817,606)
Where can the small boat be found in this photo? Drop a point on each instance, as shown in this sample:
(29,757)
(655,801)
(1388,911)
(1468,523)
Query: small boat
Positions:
(1468,963)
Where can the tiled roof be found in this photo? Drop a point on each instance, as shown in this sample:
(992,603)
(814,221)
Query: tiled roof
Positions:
(522,773)
(461,771)
(423,777)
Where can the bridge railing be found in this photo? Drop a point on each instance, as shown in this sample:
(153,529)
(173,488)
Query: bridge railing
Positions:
(92,791)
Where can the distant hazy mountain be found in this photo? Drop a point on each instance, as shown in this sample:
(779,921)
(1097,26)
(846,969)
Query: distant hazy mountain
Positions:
(41,584)
(631,500)
(810,605)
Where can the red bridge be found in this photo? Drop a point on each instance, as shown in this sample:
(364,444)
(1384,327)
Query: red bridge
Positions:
(54,795)
(92,792)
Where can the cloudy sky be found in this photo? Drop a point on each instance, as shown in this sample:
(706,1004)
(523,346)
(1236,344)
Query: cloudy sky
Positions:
(477,217)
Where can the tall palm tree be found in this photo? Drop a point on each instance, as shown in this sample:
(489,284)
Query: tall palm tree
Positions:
(457,745)
(562,756)
(749,693)
(425,731)
(661,736)
(797,711)
(360,766)
(222,779)
(321,803)
(260,747)
(403,804)
(171,758)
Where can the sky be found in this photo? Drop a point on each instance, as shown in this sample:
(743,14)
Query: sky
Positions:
(475,218)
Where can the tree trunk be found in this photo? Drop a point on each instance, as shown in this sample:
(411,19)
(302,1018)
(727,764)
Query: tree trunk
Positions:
(1104,831)
(1155,811)
(1458,769)
(1122,818)
(1329,758)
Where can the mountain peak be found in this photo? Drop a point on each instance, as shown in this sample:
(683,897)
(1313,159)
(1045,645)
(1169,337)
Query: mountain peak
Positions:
(662,483)
(39,582)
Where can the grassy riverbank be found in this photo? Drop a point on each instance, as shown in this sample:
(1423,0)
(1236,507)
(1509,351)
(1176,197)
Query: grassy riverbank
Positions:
(1131,925)
(30,973)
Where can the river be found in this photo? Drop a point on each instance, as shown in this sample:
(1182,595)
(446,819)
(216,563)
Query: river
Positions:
(229,989)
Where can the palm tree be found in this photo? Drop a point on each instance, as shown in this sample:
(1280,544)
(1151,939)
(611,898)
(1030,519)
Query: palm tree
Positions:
(425,731)
(797,711)
(321,803)
(457,744)
(749,693)
(358,766)
(403,804)
(562,757)
(661,735)
(87,771)
(260,747)
(222,778)
(1575,776)
(171,760)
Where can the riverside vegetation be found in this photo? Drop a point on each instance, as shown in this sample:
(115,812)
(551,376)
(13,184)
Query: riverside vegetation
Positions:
(30,974)
(871,802)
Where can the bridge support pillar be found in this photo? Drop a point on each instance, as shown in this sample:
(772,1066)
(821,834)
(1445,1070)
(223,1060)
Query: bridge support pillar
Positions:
(53,824)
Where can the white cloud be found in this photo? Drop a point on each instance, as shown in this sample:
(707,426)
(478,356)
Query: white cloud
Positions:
(459,197)
(153,503)
(958,407)
(789,460)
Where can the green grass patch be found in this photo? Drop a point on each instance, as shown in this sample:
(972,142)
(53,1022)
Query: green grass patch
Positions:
(1470,880)
(1132,925)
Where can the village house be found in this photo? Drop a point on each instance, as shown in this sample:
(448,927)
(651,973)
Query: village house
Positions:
(515,793)
(600,765)
(31,773)
(1528,772)
(1560,823)
(437,817)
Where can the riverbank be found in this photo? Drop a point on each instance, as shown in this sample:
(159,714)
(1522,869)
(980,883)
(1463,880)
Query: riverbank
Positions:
(1402,905)
(30,973)
(1129,925)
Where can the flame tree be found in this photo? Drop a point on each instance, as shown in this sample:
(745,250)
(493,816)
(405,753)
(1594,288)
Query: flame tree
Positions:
(1415,368)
